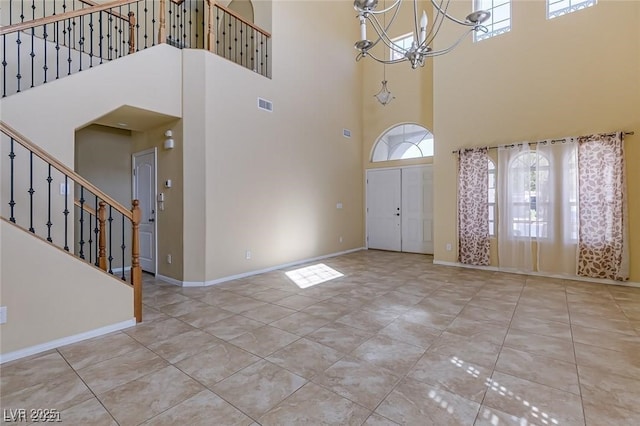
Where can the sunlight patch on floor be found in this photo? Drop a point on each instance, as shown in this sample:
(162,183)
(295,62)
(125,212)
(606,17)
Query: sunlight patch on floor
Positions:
(312,275)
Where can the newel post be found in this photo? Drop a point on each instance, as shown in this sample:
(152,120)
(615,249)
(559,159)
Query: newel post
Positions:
(132,27)
(211,30)
(102,236)
(136,271)
(162,30)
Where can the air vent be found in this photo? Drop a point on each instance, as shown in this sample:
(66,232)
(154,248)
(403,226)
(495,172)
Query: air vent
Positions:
(265,104)
(346,133)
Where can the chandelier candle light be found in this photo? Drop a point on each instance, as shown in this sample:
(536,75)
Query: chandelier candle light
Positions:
(420,48)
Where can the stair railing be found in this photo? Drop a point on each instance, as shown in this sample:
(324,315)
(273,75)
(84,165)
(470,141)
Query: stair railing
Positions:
(50,47)
(235,38)
(79,218)
(53,39)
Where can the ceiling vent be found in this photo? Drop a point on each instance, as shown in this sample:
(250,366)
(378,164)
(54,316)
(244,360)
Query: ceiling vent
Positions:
(265,105)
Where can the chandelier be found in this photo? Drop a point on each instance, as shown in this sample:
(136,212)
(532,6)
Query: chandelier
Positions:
(420,48)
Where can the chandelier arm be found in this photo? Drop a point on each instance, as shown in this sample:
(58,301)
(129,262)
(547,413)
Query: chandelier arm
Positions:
(450,48)
(382,35)
(389,62)
(380,12)
(437,22)
(446,15)
(442,15)
(433,25)
(415,21)
(383,29)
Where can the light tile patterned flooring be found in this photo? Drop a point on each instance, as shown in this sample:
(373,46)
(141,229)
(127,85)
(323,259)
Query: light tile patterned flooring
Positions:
(397,340)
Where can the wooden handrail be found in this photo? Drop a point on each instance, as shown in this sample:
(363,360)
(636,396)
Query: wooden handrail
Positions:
(85,207)
(22,26)
(14,134)
(243,20)
(93,3)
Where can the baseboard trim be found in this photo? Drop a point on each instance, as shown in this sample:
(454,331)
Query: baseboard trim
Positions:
(119,270)
(540,274)
(251,273)
(32,350)
(168,280)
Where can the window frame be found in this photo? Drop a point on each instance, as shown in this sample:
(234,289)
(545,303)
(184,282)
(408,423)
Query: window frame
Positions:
(392,149)
(574,6)
(479,35)
(535,222)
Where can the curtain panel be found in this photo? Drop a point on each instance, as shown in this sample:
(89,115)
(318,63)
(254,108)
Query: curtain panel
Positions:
(603,225)
(473,207)
(515,240)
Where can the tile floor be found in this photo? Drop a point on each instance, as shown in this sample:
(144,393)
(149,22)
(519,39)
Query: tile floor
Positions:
(397,340)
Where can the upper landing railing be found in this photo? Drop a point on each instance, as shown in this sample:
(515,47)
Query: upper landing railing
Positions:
(79,219)
(47,40)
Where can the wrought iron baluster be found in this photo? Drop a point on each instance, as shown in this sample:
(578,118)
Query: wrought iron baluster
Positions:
(80,44)
(96,231)
(32,54)
(91,40)
(110,258)
(120,36)
(12,202)
(253,56)
(123,246)
(90,241)
(18,75)
(4,65)
(49,180)
(81,242)
(153,23)
(57,24)
(217,50)
(66,212)
(69,60)
(138,26)
(31,191)
(242,31)
(101,35)
(45,68)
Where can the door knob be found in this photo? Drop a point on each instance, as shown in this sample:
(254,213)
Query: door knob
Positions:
(397,214)
(152,220)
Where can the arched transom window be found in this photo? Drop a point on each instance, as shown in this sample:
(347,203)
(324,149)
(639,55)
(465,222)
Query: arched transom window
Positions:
(403,141)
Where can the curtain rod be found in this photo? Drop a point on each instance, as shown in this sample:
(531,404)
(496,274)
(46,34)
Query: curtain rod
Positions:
(512,145)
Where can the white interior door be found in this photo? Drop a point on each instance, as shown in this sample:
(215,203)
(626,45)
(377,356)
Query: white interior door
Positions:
(144,190)
(417,209)
(383,209)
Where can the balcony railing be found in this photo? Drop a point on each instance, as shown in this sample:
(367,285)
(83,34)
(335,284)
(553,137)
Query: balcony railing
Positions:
(48,40)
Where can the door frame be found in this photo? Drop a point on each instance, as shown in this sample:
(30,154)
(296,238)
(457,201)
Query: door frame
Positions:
(366,201)
(153,150)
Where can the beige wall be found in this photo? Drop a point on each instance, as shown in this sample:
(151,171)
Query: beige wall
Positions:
(272,180)
(412,88)
(169,220)
(574,75)
(103,157)
(61,297)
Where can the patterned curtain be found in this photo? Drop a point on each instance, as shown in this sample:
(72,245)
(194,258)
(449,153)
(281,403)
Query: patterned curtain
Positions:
(473,207)
(603,231)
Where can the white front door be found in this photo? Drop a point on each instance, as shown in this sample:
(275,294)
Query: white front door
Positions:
(417,209)
(383,210)
(144,190)
(400,209)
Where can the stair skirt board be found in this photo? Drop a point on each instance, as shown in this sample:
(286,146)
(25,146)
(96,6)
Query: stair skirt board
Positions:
(32,350)
(250,273)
